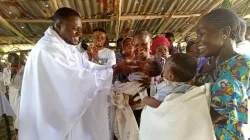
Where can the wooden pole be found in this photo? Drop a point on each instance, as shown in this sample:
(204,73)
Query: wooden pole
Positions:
(21,0)
(127,17)
(50,21)
(117,26)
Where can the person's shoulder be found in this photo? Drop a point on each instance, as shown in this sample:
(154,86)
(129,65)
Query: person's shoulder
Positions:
(47,43)
(244,60)
(108,52)
(47,47)
(44,51)
(241,58)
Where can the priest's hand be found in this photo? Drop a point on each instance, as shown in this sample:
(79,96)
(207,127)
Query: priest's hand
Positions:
(124,69)
(121,68)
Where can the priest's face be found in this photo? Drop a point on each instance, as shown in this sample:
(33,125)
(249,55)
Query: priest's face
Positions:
(70,30)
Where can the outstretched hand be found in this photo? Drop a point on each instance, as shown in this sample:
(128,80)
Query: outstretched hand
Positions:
(125,69)
(121,68)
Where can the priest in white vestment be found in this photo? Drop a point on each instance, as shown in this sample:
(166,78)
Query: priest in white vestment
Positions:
(64,96)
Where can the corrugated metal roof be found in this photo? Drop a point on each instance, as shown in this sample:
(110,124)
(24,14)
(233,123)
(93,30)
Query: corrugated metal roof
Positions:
(32,29)
(5,31)
(105,9)
(15,47)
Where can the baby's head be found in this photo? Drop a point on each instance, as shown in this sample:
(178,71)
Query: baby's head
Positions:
(152,68)
(180,68)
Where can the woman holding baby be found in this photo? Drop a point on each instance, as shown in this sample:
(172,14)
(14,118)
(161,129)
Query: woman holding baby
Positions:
(217,33)
(216,37)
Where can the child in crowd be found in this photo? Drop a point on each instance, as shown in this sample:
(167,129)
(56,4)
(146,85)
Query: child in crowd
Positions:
(128,54)
(178,70)
(125,124)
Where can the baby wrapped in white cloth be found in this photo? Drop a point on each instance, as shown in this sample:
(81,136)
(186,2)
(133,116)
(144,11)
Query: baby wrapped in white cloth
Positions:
(125,126)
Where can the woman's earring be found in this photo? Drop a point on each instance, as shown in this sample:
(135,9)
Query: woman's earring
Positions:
(224,37)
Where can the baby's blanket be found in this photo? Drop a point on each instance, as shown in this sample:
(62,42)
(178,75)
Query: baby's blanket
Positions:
(179,117)
(125,126)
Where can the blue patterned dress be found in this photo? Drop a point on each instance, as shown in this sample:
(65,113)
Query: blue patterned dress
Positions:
(230,95)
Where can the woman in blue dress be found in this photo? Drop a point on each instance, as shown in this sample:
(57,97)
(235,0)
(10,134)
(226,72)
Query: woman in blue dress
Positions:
(216,37)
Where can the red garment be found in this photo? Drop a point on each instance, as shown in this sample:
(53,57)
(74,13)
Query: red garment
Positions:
(156,42)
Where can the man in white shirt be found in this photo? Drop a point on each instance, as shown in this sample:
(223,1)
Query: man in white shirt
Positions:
(64,96)
(100,54)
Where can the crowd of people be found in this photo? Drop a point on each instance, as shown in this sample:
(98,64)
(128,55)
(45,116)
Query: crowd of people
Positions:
(140,91)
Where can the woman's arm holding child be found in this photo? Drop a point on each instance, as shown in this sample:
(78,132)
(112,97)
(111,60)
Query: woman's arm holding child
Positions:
(150,101)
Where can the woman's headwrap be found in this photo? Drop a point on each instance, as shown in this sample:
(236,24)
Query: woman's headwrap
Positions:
(156,42)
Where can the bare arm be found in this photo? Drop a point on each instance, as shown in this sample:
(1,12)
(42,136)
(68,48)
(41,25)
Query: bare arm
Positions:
(152,102)
(216,117)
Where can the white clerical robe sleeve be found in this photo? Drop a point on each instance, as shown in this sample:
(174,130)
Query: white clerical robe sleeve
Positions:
(56,92)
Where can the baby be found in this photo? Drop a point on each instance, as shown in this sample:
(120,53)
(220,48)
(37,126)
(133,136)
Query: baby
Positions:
(124,120)
(178,70)
(149,68)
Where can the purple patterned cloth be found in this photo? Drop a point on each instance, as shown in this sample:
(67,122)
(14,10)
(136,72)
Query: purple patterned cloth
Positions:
(201,62)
